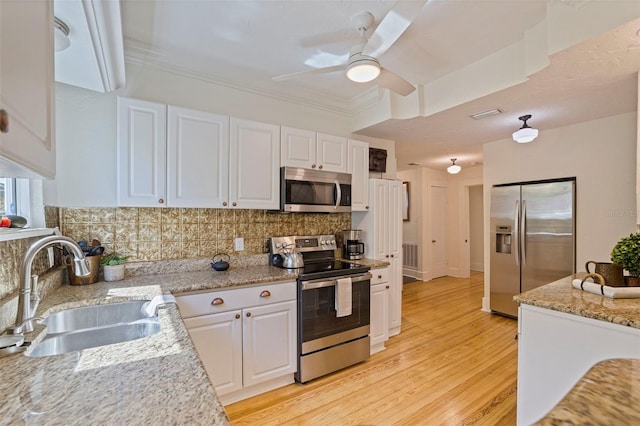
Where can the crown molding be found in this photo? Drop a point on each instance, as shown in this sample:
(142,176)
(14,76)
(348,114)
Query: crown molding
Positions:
(141,54)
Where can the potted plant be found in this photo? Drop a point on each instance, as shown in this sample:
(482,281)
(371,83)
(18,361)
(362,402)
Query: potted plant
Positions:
(626,252)
(113,266)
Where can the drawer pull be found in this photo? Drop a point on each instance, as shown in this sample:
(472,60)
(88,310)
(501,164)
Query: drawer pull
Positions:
(265,293)
(217,301)
(237,316)
(379,277)
(248,314)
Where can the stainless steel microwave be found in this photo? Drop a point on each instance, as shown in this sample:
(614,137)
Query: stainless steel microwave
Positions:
(314,191)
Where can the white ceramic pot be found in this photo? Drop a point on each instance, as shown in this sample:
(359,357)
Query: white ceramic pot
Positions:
(113,272)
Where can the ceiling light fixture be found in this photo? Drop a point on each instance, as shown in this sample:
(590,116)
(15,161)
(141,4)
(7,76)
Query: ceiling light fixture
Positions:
(61,34)
(454,168)
(362,68)
(525,134)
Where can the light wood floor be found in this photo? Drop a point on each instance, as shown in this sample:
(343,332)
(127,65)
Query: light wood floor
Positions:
(452,364)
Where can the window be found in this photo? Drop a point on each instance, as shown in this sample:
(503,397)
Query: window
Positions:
(8,196)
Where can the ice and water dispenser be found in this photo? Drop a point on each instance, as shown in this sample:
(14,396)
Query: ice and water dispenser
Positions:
(503,239)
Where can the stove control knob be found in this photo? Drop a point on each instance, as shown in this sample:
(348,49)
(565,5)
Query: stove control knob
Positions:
(278,245)
(333,242)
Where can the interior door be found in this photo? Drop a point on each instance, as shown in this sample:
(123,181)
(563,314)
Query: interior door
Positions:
(438,231)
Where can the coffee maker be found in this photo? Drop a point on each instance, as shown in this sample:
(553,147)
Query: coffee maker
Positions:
(352,248)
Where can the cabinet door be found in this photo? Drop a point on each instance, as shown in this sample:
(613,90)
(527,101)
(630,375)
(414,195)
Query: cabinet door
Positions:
(26,89)
(197,158)
(331,153)
(254,172)
(298,148)
(141,153)
(358,166)
(218,341)
(269,342)
(379,196)
(394,229)
(379,316)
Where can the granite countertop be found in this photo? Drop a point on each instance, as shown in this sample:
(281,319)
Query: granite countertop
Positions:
(561,296)
(158,379)
(607,394)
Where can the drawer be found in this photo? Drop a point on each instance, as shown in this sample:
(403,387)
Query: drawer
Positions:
(380,275)
(192,305)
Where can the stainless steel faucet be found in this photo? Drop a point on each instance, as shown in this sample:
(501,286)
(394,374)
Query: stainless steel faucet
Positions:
(28,299)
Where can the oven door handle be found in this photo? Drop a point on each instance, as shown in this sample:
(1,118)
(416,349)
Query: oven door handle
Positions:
(311,284)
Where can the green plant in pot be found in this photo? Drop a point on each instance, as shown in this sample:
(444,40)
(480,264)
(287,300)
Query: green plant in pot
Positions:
(626,252)
(113,267)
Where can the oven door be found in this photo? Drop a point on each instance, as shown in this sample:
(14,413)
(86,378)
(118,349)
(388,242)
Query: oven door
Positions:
(318,325)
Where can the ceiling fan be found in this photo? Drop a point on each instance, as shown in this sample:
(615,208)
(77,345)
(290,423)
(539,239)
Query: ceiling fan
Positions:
(363,64)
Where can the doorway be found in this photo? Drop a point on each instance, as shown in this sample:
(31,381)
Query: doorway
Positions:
(438,210)
(476,228)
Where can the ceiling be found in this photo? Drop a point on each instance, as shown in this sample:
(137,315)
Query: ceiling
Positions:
(249,42)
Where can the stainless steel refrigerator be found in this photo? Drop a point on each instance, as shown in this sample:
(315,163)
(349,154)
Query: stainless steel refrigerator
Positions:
(532,238)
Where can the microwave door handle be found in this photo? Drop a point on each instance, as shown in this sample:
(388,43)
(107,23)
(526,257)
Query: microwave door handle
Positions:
(339,193)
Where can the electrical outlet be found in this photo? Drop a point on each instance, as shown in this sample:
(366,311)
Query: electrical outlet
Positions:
(239,244)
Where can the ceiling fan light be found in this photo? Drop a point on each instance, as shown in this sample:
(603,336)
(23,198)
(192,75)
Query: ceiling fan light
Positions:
(61,35)
(363,70)
(454,168)
(525,135)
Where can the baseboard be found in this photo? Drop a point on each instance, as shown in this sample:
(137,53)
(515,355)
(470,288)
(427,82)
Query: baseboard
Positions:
(477,266)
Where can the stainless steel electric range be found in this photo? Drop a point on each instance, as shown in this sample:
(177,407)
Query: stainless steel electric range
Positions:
(332,333)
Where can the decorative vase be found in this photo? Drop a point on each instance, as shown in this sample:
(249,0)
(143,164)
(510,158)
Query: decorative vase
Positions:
(113,272)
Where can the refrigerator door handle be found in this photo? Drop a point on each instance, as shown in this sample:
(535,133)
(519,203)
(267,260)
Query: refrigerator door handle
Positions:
(516,233)
(523,232)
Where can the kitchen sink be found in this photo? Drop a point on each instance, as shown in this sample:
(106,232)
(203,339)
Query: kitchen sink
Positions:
(99,325)
(95,316)
(55,344)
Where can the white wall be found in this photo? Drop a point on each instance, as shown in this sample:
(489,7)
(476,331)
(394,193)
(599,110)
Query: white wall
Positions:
(601,154)
(476,228)
(86,128)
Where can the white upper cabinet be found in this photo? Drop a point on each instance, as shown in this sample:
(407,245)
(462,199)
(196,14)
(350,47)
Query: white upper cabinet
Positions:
(298,148)
(178,157)
(197,158)
(358,166)
(310,150)
(331,153)
(27,138)
(254,174)
(141,153)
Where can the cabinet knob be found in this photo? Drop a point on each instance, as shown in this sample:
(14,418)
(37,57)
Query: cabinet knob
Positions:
(386,255)
(433,241)
(217,301)
(387,287)
(248,314)
(161,200)
(391,255)
(366,207)
(379,277)
(237,316)
(234,204)
(224,203)
(313,166)
(4,121)
(265,293)
(320,166)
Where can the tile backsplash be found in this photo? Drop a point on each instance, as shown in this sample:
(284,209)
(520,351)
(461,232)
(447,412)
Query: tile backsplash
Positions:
(181,233)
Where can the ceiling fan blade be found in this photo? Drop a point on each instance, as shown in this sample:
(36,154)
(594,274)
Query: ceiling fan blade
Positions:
(316,71)
(394,23)
(394,82)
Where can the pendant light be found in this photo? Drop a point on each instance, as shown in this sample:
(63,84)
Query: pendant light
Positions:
(454,168)
(525,134)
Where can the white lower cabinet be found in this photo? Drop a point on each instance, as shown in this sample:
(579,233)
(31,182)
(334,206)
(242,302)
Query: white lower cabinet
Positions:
(556,349)
(246,338)
(379,329)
